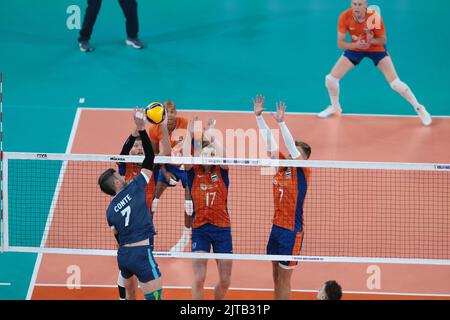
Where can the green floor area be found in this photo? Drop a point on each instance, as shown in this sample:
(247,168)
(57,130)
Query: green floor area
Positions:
(203,55)
(15,274)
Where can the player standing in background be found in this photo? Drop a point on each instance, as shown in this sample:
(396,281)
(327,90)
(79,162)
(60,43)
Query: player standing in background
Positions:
(129,218)
(368,39)
(289,192)
(169,175)
(211,225)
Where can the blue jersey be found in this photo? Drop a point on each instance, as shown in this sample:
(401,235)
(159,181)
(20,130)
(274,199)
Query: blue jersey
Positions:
(128,212)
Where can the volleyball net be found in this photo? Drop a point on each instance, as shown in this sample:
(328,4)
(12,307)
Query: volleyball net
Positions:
(353,211)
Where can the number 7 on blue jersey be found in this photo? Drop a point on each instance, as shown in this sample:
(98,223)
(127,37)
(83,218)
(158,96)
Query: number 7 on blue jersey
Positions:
(126,213)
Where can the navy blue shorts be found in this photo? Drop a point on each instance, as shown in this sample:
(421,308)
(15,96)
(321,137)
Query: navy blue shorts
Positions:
(138,261)
(355,57)
(207,235)
(285,242)
(177,172)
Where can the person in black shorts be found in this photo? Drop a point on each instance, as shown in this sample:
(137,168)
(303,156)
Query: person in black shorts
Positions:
(129,8)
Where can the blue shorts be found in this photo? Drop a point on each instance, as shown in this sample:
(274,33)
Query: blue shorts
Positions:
(207,235)
(138,261)
(355,57)
(285,242)
(177,172)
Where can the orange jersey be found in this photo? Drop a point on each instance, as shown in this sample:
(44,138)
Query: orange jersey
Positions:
(176,136)
(209,192)
(374,23)
(289,192)
(132,170)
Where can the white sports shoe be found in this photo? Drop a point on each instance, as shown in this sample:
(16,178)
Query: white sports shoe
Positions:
(424,116)
(330,111)
(135,43)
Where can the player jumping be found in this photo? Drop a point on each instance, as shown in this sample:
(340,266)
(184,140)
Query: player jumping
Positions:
(289,192)
(211,225)
(129,218)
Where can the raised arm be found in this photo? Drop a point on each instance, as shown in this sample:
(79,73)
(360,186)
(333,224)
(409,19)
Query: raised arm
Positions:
(126,148)
(190,133)
(147,164)
(210,135)
(165,143)
(258,108)
(287,137)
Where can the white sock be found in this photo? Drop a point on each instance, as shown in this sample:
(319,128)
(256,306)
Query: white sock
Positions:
(403,89)
(332,85)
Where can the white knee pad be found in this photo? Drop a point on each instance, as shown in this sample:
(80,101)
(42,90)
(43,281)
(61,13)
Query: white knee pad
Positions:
(399,86)
(331,82)
(189,207)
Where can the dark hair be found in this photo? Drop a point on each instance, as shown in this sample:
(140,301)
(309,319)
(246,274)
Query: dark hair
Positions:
(106,182)
(333,290)
(169,103)
(305,147)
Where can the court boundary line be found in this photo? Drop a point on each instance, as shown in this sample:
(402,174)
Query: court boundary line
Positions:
(288,113)
(5,284)
(37,264)
(74,286)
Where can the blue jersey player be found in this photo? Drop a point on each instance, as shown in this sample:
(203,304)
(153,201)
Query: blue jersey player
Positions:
(129,219)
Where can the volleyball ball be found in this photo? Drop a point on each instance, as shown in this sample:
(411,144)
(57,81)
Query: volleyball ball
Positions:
(155,113)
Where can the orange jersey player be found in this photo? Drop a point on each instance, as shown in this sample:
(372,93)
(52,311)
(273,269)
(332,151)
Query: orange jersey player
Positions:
(368,40)
(373,27)
(209,190)
(211,226)
(170,175)
(289,192)
(289,189)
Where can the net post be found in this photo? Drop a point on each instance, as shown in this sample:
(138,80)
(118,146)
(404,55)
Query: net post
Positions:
(3,219)
(4,246)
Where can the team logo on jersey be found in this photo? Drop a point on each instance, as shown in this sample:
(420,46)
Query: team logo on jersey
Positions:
(214,178)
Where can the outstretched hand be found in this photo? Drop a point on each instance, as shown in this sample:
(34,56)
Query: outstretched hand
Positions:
(191,126)
(281,110)
(258,104)
(139,116)
(208,134)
